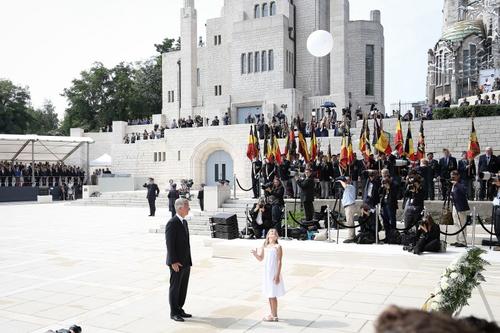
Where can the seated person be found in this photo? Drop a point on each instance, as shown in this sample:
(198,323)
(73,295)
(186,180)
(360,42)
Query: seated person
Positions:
(367,219)
(427,237)
(261,214)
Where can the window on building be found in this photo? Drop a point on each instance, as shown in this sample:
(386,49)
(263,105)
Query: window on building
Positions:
(173,96)
(220,90)
(219,39)
(264,61)
(273,8)
(370,70)
(156,157)
(164,156)
(168,96)
(286,60)
(466,62)
(440,69)
(215,40)
(473,58)
(243,63)
(292,68)
(197,77)
(178,155)
(270,62)
(256,11)
(216,89)
(265,10)
(257,62)
(250,62)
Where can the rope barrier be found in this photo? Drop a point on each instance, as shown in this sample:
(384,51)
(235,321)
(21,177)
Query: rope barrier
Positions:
(455,233)
(239,185)
(349,227)
(484,227)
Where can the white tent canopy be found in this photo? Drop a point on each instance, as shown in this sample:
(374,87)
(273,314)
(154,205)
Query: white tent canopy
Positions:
(39,148)
(103,161)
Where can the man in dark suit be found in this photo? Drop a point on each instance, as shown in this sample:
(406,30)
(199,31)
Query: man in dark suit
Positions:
(172,195)
(389,201)
(461,207)
(153,192)
(467,171)
(178,259)
(434,166)
(487,163)
(447,164)
(256,173)
(307,193)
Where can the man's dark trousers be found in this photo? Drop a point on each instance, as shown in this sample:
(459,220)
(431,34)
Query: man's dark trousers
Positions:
(308,210)
(152,206)
(178,289)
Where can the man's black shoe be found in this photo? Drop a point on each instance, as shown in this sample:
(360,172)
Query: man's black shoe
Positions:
(185,315)
(176,318)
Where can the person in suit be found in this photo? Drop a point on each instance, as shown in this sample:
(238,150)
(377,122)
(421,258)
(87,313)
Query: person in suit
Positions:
(447,164)
(461,208)
(434,165)
(256,173)
(201,194)
(487,163)
(414,199)
(306,185)
(173,195)
(388,201)
(178,259)
(372,189)
(467,171)
(153,192)
(275,195)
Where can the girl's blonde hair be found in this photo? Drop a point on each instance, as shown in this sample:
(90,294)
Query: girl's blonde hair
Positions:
(266,242)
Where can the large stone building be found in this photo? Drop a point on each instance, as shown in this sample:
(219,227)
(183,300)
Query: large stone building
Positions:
(468,51)
(255,60)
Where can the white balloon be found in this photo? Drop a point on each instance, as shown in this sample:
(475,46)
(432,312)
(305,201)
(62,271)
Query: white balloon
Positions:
(320,43)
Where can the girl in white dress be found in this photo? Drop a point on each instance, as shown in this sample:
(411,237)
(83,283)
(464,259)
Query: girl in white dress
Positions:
(273,287)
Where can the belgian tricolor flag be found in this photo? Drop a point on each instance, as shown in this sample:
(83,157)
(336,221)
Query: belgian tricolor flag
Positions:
(364,139)
(383,145)
(291,145)
(303,146)
(251,151)
(474,148)
(276,150)
(409,150)
(398,138)
(314,146)
(421,142)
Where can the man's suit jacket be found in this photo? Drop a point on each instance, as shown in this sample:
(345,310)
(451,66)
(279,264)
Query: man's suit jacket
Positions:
(153,191)
(459,197)
(373,198)
(489,167)
(307,187)
(447,168)
(177,239)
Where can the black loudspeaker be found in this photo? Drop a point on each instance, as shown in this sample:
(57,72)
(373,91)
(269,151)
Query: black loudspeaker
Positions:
(224,226)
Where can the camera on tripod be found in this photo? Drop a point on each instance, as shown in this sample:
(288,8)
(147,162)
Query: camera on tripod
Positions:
(487,176)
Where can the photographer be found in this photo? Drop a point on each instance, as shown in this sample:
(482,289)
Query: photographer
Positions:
(275,193)
(306,185)
(427,237)
(388,201)
(349,204)
(461,207)
(414,200)
(261,217)
(496,210)
(372,189)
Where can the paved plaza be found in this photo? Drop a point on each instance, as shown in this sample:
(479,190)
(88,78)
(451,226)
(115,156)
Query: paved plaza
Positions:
(100,268)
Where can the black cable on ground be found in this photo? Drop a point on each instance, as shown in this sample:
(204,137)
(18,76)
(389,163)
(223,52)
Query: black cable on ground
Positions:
(239,185)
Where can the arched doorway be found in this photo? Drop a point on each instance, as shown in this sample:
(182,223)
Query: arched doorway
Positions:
(219,166)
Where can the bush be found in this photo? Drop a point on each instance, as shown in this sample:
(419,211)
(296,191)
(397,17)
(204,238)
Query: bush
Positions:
(467,112)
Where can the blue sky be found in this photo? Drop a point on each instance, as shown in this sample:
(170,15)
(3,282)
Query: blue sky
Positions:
(45,44)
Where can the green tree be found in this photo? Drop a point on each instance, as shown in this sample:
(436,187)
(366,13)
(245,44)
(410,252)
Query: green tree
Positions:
(165,46)
(147,89)
(44,120)
(15,115)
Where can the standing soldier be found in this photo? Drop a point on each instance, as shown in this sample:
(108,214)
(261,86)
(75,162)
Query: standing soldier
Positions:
(153,192)
(256,172)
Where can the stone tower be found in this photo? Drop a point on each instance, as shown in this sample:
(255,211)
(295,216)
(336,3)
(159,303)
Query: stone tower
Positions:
(189,59)
(452,10)
(339,18)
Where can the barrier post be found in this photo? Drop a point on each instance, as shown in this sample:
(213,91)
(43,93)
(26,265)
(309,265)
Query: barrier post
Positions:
(473,227)
(246,221)
(377,212)
(328,237)
(286,223)
(234,186)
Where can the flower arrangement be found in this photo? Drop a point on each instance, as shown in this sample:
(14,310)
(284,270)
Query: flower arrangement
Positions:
(457,282)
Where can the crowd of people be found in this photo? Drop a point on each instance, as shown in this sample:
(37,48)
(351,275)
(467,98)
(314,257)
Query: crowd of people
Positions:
(384,181)
(143,121)
(67,179)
